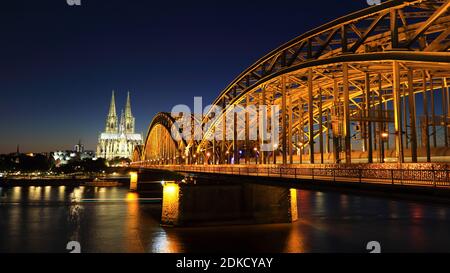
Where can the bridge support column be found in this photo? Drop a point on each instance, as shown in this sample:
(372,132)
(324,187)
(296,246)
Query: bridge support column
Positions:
(223,152)
(397,113)
(214,148)
(311,116)
(263,121)
(444,111)
(347,132)
(235,140)
(291,160)
(381,128)
(301,131)
(426,131)
(405,117)
(412,116)
(248,149)
(336,135)
(320,126)
(283,120)
(445,89)
(272,129)
(368,125)
(433,112)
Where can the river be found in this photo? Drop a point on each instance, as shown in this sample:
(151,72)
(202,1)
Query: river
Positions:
(45,219)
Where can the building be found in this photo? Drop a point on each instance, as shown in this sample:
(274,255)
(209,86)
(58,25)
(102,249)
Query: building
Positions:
(119,139)
(64,157)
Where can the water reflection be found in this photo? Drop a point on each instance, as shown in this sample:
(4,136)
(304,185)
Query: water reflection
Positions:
(162,243)
(43,219)
(295,241)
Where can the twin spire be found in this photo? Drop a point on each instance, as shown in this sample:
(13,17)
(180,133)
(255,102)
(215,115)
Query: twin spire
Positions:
(126,120)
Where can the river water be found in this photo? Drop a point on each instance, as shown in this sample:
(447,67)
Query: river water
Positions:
(44,219)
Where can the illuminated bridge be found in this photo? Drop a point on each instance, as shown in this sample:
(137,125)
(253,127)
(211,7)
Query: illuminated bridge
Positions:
(363,96)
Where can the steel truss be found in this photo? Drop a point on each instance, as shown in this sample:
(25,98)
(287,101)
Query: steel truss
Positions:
(366,87)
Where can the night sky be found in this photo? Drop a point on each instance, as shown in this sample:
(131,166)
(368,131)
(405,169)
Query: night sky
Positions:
(59,64)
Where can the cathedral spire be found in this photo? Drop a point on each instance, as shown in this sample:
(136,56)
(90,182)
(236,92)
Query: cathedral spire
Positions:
(128,106)
(112,106)
(129,119)
(111,120)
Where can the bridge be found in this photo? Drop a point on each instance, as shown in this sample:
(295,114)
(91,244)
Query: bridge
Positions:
(363,97)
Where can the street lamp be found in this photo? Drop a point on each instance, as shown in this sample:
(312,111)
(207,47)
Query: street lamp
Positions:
(208,154)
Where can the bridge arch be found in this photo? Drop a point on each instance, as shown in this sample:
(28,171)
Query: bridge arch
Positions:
(160,147)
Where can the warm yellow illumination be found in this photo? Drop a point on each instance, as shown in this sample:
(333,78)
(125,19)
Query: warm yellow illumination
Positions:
(170,204)
(384,135)
(170,188)
(133,181)
(294,210)
(131,197)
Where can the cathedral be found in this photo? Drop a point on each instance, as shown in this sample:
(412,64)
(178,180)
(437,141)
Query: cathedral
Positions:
(119,138)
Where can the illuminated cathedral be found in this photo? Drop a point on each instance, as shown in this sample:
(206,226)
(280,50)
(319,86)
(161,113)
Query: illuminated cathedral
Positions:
(119,138)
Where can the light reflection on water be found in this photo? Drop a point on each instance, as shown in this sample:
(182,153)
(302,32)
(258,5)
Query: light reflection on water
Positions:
(44,219)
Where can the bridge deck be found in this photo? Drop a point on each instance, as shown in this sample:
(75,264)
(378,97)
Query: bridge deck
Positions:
(438,178)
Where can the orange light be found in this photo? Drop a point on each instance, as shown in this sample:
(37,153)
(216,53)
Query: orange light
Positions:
(133,181)
(131,197)
(170,188)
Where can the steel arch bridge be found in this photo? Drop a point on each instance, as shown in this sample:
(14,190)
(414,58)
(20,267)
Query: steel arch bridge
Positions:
(367,87)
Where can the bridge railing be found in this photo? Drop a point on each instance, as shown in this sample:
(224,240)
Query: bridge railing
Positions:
(412,177)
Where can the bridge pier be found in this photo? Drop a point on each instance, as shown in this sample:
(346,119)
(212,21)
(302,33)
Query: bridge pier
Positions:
(187,204)
(134,181)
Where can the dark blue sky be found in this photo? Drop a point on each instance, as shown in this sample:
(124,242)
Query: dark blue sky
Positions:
(58,64)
